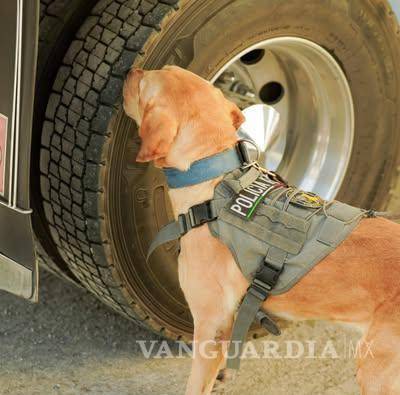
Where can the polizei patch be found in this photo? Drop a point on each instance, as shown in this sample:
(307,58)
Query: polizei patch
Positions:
(246,201)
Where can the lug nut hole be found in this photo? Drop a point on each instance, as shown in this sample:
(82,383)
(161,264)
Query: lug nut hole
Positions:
(272,92)
(252,57)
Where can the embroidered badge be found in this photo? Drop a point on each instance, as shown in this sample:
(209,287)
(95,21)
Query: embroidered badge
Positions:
(308,200)
(247,200)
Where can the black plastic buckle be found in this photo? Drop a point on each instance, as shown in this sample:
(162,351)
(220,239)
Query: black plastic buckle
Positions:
(183,226)
(265,280)
(268,274)
(196,216)
(200,214)
(259,289)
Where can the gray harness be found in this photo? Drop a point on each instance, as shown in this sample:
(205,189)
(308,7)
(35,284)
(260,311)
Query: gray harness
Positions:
(275,232)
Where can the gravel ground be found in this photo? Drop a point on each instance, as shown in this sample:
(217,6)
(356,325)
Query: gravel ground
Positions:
(70,343)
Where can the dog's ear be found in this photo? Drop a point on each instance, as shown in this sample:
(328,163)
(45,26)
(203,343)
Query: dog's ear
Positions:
(157,130)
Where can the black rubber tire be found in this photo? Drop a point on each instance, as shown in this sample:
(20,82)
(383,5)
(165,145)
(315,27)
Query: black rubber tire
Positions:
(59,21)
(74,135)
(103,209)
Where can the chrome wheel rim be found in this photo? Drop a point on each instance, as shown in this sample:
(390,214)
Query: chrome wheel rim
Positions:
(312,144)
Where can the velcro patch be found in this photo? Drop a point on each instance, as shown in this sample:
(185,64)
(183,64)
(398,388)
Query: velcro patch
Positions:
(246,201)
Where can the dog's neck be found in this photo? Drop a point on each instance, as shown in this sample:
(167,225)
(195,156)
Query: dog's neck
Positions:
(184,198)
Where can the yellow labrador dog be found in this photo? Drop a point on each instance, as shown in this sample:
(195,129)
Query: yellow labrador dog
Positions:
(183,118)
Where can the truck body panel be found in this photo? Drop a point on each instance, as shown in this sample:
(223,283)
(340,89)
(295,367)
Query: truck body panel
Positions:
(18,43)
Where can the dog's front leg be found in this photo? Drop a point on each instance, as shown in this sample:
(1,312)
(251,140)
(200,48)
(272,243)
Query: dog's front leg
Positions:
(209,351)
(213,319)
(213,286)
(212,330)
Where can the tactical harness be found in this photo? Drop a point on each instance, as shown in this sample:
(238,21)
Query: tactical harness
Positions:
(287,231)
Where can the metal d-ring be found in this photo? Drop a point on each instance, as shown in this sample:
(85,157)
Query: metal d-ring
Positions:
(251,142)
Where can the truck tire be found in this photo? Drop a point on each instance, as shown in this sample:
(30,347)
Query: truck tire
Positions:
(103,209)
(59,21)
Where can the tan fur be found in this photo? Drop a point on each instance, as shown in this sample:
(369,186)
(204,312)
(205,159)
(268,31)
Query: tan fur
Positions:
(183,118)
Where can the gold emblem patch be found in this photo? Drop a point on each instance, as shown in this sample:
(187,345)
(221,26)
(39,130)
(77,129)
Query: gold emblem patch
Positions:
(308,200)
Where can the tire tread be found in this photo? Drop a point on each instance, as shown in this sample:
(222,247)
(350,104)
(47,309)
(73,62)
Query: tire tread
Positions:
(86,93)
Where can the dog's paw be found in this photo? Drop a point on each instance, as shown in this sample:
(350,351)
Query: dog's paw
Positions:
(224,378)
(219,388)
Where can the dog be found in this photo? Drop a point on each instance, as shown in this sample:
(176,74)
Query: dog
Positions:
(183,118)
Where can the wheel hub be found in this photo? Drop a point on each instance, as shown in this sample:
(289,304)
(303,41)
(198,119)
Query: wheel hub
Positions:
(312,143)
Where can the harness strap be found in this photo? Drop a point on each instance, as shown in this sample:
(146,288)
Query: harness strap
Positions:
(169,232)
(264,281)
(196,216)
(331,231)
(383,214)
(248,309)
(268,323)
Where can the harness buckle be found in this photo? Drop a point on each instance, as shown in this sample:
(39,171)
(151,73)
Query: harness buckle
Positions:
(265,280)
(268,274)
(196,216)
(200,214)
(259,289)
(183,225)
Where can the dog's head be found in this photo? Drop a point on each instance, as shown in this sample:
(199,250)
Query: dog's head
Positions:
(181,116)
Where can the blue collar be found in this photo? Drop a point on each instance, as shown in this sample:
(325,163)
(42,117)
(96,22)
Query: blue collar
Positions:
(205,169)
